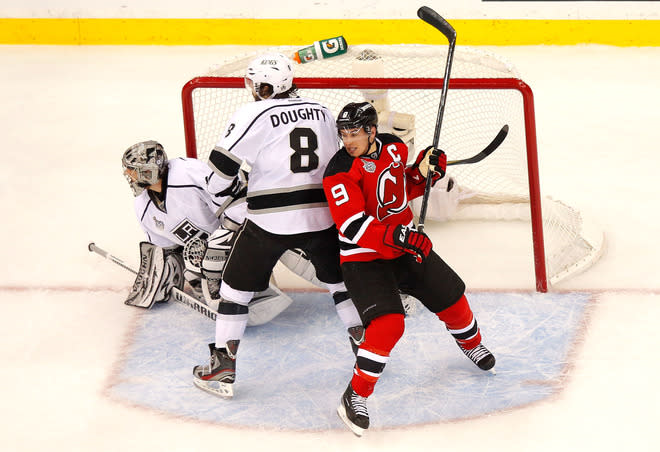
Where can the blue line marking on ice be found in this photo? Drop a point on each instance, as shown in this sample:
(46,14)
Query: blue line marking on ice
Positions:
(292,371)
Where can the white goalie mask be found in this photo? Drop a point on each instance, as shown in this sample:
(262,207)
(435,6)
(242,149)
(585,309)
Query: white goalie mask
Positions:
(274,69)
(144,164)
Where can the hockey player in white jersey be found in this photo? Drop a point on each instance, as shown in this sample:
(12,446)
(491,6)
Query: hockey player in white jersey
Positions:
(180,203)
(286,142)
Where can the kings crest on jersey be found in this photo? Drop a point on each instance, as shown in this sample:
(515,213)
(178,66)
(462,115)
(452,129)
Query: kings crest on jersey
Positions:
(368,193)
(286,143)
(188,207)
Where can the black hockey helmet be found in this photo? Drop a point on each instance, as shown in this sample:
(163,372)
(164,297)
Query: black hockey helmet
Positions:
(356,115)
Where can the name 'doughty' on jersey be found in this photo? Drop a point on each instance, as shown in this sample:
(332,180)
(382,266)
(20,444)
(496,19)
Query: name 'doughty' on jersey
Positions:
(290,116)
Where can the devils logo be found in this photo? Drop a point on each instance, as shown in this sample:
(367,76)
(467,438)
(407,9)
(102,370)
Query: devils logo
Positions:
(392,190)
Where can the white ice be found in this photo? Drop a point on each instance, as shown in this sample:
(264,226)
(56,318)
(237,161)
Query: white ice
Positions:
(69,112)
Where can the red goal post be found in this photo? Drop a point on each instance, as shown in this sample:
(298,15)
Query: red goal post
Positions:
(477,107)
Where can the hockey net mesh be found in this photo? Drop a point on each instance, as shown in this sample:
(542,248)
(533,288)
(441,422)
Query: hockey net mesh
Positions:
(478,104)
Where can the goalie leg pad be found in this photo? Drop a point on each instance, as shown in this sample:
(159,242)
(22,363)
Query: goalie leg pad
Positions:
(297,261)
(157,276)
(145,286)
(267,305)
(173,276)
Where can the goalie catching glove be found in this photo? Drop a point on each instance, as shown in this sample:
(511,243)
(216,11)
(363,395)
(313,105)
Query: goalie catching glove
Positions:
(409,240)
(217,251)
(205,261)
(160,271)
(431,159)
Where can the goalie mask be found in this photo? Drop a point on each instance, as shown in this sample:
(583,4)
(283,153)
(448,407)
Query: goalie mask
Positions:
(144,164)
(357,115)
(274,69)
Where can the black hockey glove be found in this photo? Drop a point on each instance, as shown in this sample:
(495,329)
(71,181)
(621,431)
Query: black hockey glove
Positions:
(429,159)
(408,240)
(437,161)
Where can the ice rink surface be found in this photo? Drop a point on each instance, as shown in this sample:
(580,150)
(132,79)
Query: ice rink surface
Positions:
(70,346)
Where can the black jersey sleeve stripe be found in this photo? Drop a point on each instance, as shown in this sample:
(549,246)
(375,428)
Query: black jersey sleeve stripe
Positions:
(224,163)
(347,246)
(293,198)
(355,226)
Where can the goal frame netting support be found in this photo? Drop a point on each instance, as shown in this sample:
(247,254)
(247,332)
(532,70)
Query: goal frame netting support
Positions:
(328,83)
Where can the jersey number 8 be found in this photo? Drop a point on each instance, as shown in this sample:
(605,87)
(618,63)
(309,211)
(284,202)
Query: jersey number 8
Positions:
(304,142)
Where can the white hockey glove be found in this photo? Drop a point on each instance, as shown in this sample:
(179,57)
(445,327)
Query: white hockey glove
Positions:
(157,275)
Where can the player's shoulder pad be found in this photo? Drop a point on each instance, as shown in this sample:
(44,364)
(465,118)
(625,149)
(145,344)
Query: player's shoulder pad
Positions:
(249,112)
(341,162)
(387,138)
(185,171)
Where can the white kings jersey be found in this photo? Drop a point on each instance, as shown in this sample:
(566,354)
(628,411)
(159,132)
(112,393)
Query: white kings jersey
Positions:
(191,207)
(287,144)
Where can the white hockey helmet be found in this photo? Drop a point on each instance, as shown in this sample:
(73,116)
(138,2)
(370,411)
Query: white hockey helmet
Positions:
(274,69)
(147,162)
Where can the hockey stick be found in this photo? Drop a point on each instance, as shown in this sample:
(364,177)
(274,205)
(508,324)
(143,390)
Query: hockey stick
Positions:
(499,138)
(435,20)
(177,295)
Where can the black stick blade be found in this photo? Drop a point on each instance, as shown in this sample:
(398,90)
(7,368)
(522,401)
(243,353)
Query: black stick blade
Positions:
(436,20)
(501,135)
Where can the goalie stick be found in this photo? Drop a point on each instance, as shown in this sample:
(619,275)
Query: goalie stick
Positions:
(177,295)
(435,20)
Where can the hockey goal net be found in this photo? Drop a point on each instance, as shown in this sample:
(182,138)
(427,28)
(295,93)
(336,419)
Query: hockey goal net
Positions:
(404,84)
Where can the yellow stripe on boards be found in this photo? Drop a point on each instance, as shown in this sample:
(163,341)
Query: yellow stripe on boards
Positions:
(305,31)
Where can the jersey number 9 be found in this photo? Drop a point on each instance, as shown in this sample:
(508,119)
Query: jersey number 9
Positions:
(339,194)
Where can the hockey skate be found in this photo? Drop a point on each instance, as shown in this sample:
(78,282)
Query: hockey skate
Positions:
(356,337)
(353,411)
(218,377)
(481,356)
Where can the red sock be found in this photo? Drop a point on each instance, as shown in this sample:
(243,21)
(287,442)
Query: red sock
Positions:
(461,323)
(380,337)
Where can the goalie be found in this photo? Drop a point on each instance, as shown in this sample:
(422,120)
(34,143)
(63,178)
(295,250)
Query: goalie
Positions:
(189,227)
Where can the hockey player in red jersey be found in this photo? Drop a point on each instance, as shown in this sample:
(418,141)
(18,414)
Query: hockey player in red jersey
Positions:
(368,187)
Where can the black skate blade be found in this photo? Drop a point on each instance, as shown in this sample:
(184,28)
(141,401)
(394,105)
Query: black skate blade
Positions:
(341,411)
(224,390)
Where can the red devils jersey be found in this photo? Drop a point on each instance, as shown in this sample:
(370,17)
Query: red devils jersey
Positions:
(367,194)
